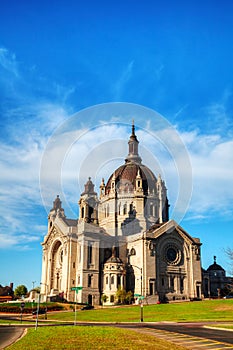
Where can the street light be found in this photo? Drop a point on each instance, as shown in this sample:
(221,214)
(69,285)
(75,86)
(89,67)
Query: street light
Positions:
(44,284)
(76,289)
(140,296)
(33,283)
(37,312)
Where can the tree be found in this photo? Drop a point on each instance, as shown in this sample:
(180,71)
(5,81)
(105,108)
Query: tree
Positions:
(37,289)
(20,290)
(104,298)
(229,253)
(121,295)
(129,297)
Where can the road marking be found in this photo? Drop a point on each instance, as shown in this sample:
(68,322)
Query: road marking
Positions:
(190,342)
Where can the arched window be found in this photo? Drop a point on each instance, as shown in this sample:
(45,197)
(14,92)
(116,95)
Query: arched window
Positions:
(151,209)
(112,279)
(125,209)
(90,280)
(82,213)
(118,280)
(132,251)
(90,244)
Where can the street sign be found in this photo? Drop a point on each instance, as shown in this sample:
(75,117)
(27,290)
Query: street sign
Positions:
(76,289)
(139,296)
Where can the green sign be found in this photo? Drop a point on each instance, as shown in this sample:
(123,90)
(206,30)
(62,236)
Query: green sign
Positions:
(139,296)
(76,289)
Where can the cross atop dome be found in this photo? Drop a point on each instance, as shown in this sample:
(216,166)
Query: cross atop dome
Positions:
(133,142)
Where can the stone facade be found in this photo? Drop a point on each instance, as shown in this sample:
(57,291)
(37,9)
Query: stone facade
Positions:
(122,238)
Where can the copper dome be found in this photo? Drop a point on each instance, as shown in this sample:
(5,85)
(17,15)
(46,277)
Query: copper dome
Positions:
(126,175)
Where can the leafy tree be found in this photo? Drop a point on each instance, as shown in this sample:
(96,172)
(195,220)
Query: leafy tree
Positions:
(104,298)
(20,290)
(37,289)
(129,297)
(121,295)
(229,253)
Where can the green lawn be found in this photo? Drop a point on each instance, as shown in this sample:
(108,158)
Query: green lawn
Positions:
(209,310)
(89,337)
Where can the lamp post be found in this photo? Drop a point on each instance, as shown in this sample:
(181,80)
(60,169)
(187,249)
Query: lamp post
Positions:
(140,296)
(33,283)
(37,312)
(76,289)
(46,286)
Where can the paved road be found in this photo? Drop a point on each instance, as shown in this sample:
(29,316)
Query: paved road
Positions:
(9,335)
(197,330)
(190,335)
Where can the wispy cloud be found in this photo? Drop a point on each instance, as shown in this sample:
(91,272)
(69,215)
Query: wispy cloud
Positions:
(212,159)
(80,152)
(8,62)
(120,84)
(180,111)
(219,115)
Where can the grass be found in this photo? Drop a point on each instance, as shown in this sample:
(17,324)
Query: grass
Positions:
(208,310)
(99,337)
(81,337)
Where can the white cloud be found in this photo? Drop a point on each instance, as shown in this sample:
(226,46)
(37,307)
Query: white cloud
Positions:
(8,62)
(125,76)
(212,160)
(80,152)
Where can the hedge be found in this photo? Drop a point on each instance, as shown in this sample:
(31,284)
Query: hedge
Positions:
(29,307)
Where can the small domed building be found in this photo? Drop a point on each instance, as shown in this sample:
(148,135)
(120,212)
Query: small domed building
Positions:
(122,238)
(215,280)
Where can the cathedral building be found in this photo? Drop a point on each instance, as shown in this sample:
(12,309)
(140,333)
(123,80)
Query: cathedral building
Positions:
(122,238)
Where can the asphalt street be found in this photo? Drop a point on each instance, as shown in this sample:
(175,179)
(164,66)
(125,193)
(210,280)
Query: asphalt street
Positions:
(197,330)
(9,335)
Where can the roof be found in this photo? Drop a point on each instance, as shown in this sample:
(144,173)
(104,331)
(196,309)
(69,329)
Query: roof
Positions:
(125,178)
(158,230)
(215,267)
(70,222)
(114,259)
(126,175)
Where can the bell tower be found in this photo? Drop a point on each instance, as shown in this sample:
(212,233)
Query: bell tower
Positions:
(88,204)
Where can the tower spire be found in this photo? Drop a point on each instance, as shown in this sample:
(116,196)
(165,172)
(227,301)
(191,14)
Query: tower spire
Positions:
(133,142)
(133,128)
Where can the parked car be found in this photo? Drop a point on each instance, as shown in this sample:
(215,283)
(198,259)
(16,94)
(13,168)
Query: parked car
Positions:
(41,311)
(87,307)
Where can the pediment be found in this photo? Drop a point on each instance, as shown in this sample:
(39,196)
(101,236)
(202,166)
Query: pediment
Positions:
(53,234)
(169,228)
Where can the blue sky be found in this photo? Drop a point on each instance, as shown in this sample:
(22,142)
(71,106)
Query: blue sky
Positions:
(58,58)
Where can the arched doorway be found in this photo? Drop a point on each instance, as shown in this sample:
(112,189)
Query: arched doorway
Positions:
(56,266)
(89,299)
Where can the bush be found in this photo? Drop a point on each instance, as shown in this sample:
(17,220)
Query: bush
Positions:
(16,307)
